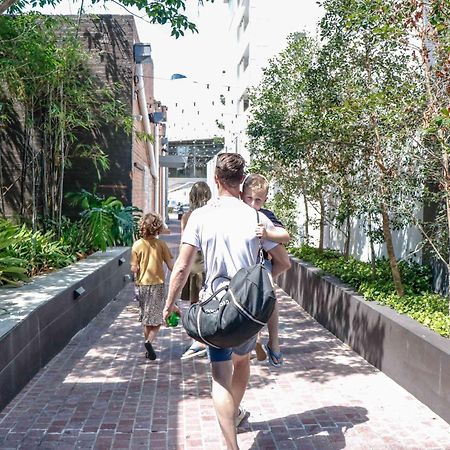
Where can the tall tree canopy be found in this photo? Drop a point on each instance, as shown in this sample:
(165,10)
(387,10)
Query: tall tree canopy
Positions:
(158,11)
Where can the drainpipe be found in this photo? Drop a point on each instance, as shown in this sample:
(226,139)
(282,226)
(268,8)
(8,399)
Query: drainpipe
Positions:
(140,89)
(156,159)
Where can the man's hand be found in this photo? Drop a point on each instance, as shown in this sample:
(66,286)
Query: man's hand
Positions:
(168,311)
(261,231)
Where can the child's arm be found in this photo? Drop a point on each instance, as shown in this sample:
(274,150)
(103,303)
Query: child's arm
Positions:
(276,234)
(169,264)
(134,262)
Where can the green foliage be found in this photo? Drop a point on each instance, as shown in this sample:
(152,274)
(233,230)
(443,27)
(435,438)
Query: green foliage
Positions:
(64,106)
(106,220)
(12,268)
(42,251)
(74,238)
(157,11)
(419,301)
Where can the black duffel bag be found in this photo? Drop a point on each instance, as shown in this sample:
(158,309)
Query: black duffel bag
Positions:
(231,318)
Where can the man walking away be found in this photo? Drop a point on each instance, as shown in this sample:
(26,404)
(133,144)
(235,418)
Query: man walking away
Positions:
(224,230)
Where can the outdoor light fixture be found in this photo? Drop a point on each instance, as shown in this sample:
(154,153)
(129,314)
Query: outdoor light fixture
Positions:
(157,117)
(142,53)
(78,292)
(177,76)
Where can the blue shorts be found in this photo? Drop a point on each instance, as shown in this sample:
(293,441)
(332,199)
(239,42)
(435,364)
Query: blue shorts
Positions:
(224,354)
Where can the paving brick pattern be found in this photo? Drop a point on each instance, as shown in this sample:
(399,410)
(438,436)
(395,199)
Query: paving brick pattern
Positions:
(100,392)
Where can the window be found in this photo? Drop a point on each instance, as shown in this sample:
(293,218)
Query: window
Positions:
(243,63)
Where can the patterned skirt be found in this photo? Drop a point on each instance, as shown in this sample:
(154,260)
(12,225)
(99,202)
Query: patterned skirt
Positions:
(151,302)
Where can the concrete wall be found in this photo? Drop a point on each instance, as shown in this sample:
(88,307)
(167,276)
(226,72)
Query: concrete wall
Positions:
(44,315)
(414,356)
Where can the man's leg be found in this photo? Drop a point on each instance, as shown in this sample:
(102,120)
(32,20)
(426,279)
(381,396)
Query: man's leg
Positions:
(241,375)
(222,372)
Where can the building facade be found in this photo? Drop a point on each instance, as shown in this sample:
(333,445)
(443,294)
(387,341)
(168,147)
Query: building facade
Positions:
(257,31)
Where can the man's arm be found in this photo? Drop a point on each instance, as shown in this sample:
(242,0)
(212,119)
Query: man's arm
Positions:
(280,260)
(179,276)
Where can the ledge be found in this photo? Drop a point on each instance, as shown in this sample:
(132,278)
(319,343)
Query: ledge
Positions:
(42,316)
(415,357)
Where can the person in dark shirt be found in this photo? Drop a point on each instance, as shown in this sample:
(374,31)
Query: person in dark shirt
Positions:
(254,193)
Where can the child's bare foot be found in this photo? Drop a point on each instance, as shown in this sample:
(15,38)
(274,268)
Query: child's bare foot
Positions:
(261,354)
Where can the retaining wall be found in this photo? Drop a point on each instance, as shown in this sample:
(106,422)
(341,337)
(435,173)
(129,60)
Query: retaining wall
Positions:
(414,356)
(38,319)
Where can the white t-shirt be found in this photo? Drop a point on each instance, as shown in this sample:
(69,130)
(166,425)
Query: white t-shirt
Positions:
(224,230)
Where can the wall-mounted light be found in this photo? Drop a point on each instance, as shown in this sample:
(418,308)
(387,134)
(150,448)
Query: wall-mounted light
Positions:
(157,117)
(142,53)
(78,292)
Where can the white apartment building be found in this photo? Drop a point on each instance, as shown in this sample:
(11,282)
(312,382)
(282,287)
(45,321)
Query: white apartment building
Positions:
(257,31)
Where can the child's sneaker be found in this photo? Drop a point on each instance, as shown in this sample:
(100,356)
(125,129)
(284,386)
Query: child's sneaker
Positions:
(150,352)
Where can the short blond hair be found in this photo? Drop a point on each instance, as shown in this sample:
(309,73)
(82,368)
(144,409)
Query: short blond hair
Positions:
(256,181)
(150,225)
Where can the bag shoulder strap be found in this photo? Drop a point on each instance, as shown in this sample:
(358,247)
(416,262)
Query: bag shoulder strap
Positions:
(260,257)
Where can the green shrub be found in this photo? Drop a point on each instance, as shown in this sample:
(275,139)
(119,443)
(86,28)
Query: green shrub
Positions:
(42,251)
(106,221)
(419,302)
(12,267)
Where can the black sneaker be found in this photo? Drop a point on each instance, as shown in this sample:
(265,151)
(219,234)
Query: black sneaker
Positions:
(150,352)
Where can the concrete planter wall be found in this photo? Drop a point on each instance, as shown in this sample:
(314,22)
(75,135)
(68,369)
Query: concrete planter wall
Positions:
(414,356)
(41,317)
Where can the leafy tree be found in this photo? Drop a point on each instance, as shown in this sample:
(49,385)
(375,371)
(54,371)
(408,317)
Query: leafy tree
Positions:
(428,23)
(158,11)
(47,76)
(385,102)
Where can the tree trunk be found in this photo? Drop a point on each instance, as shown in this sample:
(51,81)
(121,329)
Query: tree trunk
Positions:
(347,238)
(6,4)
(321,223)
(446,176)
(372,249)
(305,200)
(63,161)
(391,253)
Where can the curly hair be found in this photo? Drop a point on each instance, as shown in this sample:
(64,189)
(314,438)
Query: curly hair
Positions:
(150,225)
(199,195)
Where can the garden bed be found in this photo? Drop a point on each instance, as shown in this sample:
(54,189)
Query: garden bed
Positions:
(38,319)
(417,358)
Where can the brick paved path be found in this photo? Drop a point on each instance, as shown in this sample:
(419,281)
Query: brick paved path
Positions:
(100,392)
